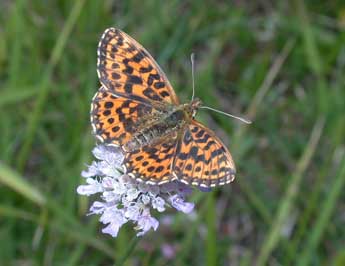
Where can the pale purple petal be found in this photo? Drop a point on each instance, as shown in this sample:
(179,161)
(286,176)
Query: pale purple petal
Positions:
(113,214)
(92,187)
(110,196)
(112,229)
(108,182)
(179,204)
(92,170)
(119,188)
(125,179)
(133,212)
(101,152)
(114,156)
(132,194)
(158,204)
(97,207)
(145,199)
(125,202)
(145,223)
(109,169)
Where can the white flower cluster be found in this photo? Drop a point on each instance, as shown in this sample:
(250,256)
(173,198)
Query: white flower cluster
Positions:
(124,199)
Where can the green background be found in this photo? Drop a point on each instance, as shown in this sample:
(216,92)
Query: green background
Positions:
(280,63)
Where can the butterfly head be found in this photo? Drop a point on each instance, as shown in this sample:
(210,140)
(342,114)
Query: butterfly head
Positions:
(193,106)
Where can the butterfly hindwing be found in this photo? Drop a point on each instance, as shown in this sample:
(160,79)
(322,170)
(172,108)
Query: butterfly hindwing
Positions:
(125,68)
(202,159)
(152,164)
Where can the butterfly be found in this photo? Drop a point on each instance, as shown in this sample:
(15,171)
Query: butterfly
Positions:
(137,109)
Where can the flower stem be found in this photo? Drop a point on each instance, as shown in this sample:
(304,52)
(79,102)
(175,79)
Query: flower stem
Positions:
(131,246)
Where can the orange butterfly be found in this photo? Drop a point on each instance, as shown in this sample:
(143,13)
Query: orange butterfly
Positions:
(137,109)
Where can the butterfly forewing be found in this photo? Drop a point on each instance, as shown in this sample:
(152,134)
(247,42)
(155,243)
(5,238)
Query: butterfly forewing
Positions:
(115,119)
(127,69)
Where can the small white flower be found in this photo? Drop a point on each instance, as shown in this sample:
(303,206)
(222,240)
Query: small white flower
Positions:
(93,170)
(115,219)
(119,187)
(108,183)
(133,212)
(145,199)
(108,154)
(145,223)
(93,187)
(97,207)
(158,204)
(132,194)
(109,169)
(110,196)
(179,204)
(125,199)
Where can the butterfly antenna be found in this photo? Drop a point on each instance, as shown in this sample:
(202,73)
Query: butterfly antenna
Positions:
(230,115)
(192,61)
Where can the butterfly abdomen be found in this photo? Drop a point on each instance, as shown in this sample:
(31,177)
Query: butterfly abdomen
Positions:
(160,130)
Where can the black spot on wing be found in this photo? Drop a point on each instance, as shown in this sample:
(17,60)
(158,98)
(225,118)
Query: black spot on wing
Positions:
(151,169)
(145,69)
(150,93)
(164,94)
(152,78)
(159,169)
(128,88)
(106,112)
(115,75)
(187,139)
(200,133)
(159,85)
(115,129)
(108,105)
(134,79)
(138,57)
(189,167)
(128,70)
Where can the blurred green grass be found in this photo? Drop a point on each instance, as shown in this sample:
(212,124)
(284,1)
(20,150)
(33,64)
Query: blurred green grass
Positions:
(281,63)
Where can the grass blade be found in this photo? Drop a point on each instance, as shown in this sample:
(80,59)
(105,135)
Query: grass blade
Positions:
(290,195)
(44,88)
(326,210)
(17,183)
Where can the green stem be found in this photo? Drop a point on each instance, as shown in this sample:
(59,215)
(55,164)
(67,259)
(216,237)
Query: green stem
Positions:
(211,244)
(128,252)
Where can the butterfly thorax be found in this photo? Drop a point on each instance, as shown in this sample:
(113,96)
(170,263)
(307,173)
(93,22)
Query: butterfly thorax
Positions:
(163,127)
